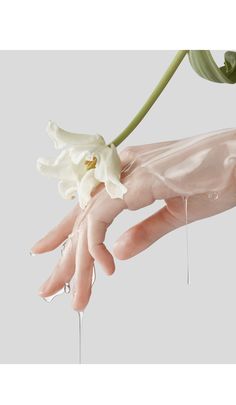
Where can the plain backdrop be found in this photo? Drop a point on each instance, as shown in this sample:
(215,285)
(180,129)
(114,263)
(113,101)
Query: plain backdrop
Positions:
(145,312)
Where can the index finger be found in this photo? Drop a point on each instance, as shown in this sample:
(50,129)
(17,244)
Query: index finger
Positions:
(58,234)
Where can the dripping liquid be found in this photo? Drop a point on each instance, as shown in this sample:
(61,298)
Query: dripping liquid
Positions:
(187,239)
(66,290)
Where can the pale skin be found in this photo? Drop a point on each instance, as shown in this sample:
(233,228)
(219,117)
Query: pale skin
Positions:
(88,227)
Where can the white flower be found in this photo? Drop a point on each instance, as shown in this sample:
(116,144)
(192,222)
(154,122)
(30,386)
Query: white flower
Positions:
(84,162)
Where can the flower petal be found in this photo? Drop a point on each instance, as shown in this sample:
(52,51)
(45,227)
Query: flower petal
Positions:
(108,170)
(67,189)
(60,168)
(63,138)
(78,165)
(115,189)
(77,155)
(108,163)
(86,186)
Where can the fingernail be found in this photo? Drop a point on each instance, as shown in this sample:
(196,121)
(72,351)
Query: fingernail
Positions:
(41,292)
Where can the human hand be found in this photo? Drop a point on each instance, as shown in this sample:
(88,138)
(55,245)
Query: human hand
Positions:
(201,169)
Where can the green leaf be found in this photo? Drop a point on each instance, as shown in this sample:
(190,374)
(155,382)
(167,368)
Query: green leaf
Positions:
(204,64)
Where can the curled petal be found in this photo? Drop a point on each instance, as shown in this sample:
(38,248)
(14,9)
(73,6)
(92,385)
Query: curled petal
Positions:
(59,168)
(67,189)
(108,171)
(108,163)
(63,138)
(86,186)
(62,167)
(115,188)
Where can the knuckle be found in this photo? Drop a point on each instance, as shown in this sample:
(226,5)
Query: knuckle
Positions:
(94,248)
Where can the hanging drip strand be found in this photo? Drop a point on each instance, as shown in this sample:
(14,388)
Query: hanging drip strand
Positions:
(187,239)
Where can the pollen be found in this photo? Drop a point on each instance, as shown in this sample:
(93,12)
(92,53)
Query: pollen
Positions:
(91,164)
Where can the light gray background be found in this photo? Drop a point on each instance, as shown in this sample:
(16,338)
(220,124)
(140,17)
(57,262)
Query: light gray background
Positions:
(145,312)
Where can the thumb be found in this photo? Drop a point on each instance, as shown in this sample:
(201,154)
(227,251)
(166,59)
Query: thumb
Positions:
(145,233)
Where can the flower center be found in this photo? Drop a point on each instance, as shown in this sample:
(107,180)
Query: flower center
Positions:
(91,164)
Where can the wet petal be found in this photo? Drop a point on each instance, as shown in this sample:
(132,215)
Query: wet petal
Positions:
(63,138)
(108,171)
(86,186)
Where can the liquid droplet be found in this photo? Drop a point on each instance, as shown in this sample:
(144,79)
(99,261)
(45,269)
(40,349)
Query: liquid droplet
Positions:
(213,195)
(187,238)
(94,275)
(67,288)
(64,290)
(64,244)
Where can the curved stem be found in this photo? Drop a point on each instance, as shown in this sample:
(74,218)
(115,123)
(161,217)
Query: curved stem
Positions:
(152,98)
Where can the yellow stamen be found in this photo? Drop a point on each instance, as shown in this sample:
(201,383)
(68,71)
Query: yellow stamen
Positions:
(91,164)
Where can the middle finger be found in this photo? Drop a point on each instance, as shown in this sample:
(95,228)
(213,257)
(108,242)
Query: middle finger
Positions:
(83,270)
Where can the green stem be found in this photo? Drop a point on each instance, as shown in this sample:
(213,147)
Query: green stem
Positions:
(152,98)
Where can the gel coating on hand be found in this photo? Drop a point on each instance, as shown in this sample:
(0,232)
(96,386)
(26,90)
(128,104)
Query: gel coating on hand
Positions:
(191,166)
(200,168)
